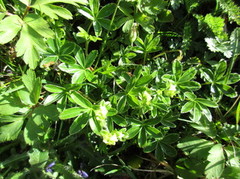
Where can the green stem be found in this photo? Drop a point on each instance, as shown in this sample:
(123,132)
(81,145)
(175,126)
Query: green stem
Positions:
(26,11)
(145,57)
(88,41)
(107,35)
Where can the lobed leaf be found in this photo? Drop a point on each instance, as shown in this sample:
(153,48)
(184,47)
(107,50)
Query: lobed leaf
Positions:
(216,159)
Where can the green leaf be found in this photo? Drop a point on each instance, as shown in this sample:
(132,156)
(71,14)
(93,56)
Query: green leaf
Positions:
(119,120)
(26,2)
(207,102)
(54,11)
(159,152)
(90,58)
(122,103)
(79,77)
(52,98)
(80,57)
(177,69)
(79,123)
(190,96)
(2,6)
(150,147)
(231,173)
(220,70)
(10,104)
(70,68)
(188,75)
(144,80)
(189,144)
(106,10)
(54,88)
(227,90)
(233,78)
(80,100)
(37,23)
(67,48)
(206,127)
(189,85)
(95,126)
(170,138)
(233,155)
(142,137)
(238,113)
(30,50)
(38,158)
(232,9)
(234,39)
(33,85)
(154,132)
(168,150)
(216,159)
(67,59)
(10,131)
(197,113)
(216,24)
(71,113)
(153,45)
(133,131)
(38,124)
(217,45)
(29,80)
(86,12)
(187,107)
(9,28)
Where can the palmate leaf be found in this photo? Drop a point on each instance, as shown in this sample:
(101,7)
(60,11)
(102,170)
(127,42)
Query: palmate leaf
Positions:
(216,163)
(217,45)
(38,158)
(53,11)
(31,39)
(9,28)
(231,9)
(10,131)
(38,124)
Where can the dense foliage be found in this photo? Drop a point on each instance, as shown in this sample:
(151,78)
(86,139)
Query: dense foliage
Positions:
(119,89)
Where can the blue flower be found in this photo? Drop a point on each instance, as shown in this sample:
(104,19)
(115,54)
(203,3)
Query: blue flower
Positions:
(48,168)
(82,173)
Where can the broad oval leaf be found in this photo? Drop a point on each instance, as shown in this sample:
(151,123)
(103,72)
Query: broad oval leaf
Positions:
(133,131)
(168,150)
(106,10)
(80,100)
(188,75)
(90,58)
(73,68)
(54,88)
(207,102)
(67,59)
(190,96)
(177,69)
(52,98)
(79,123)
(71,113)
(154,132)
(142,137)
(187,107)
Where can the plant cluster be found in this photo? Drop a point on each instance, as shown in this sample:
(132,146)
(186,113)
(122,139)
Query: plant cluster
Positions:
(125,88)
